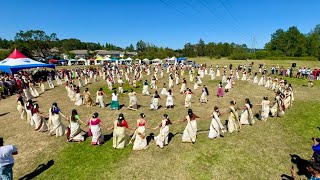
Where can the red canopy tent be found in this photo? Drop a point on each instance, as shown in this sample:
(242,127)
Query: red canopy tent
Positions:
(16,54)
(53,61)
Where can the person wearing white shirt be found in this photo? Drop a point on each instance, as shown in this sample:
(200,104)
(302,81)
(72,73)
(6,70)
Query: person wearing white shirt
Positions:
(6,160)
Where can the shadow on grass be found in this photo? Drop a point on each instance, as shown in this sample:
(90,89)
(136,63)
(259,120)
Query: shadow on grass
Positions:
(150,137)
(286,177)
(257,116)
(108,137)
(171,135)
(3,114)
(302,165)
(41,168)
(121,106)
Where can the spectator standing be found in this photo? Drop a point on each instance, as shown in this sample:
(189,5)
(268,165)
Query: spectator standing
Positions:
(272,70)
(310,80)
(291,71)
(6,160)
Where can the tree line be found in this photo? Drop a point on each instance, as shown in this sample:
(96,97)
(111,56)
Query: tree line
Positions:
(284,44)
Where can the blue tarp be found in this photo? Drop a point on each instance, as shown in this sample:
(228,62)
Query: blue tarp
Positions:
(14,69)
(114,59)
(182,59)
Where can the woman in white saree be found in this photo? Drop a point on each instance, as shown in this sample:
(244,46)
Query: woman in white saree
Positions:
(216,127)
(190,76)
(169,102)
(155,101)
(268,83)
(255,79)
(170,81)
(212,74)
(244,76)
(78,97)
(246,116)
(133,102)
(55,124)
(95,130)
(72,93)
(187,102)
(42,87)
(218,72)
(288,98)
(74,132)
(228,85)
(50,82)
(163,138)
(145,91)
(26,92)
(40,123)
(33,90)
(204,94)
(190,131)
(139,138)
(28,108)
(21,108)
(261,81)
(274,84)
(233,119)
(265,109)
(99,98)
(277,108)
(120,137)
(183,86)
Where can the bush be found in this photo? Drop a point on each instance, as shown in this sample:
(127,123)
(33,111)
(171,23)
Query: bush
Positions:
(239,56)
(4,54)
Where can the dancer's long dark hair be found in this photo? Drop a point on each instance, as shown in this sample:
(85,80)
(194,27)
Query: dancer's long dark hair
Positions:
(73,115)
(248,101)
(120,118)
(54,107)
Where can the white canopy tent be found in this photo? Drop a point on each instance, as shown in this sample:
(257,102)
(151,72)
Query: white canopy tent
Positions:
(138,61)
(156,60)
(120,61)
(126,61)
(172,60)
(145,60)
(82,60)
(71,62)
(107,59)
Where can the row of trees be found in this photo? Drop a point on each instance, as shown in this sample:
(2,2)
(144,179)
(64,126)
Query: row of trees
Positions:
(212,49)
(39,45)
(293,43)
(284,44)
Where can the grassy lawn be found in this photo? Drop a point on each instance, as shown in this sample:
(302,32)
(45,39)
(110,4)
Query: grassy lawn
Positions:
(261,151)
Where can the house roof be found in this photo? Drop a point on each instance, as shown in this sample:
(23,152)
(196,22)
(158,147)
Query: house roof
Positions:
(105,52)
(131,53)
(80,52)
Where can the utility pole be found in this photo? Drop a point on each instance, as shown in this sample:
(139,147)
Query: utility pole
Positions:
(253,45)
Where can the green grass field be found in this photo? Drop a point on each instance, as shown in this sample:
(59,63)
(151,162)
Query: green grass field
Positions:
(261,151)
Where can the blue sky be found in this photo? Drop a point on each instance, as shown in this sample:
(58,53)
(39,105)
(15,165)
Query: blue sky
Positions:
(168,23)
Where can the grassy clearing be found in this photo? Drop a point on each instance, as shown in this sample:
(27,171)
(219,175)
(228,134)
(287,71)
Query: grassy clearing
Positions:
(257,152)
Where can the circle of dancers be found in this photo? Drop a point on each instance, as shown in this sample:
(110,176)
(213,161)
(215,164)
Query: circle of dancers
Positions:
(52,121)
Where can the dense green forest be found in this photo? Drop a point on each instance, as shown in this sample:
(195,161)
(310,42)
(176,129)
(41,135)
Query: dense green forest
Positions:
(284,44)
